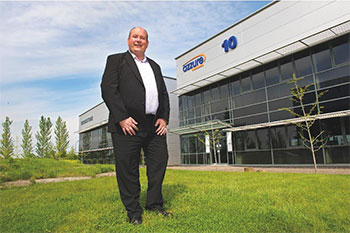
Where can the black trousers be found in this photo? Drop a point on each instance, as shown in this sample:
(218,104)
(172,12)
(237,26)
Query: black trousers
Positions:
(127,151)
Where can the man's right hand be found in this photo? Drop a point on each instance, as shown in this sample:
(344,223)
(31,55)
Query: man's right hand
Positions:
(129,126)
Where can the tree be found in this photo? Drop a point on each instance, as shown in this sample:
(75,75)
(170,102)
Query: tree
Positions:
(43,137)
(61,136)
(6,142)
(307,118)
(214,138)
(27,142)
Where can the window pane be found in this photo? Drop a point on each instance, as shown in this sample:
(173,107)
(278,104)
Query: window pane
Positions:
(322,58)
(214,92)
(254,157)
(258,79)
(246,83)
(296,156)
(263,138)
(251,98)
(281,103)
(190,101)
(219,106)
(347,128)
(335,92)
(278,137)
(236,87)
(341,51)
(294,138)
(280,90)
(333,77)
(261,118)
(337,155)
(303,64)
(238,140)
(280,115)
(286,69)
(224,90)
(259,108)
(272,75)
(333,130)
(337,105)
(198,99)
(251,141)
(206,96)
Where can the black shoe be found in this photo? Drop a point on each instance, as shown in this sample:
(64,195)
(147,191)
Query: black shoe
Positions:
(161,211)
(135,220)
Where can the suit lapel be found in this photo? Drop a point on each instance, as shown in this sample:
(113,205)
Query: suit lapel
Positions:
(156,76)
(130,61)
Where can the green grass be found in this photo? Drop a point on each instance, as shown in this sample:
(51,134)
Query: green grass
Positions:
(201,202)
(24,169)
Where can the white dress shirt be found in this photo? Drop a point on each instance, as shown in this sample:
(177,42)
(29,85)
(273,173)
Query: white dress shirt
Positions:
(149,81)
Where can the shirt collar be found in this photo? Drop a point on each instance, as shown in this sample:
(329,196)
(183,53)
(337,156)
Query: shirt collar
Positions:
(135,58)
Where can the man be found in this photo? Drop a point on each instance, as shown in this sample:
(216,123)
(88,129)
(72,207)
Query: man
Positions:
(134,91)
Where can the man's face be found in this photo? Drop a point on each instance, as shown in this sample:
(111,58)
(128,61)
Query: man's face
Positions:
(138,41)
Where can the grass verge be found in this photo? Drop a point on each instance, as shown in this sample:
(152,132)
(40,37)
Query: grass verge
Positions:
(36,168)
(201,202)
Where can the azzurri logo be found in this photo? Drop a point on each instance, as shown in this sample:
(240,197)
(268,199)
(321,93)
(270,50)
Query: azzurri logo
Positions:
(194,63)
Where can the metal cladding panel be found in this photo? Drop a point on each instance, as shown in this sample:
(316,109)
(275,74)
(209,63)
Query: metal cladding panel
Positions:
(94,116)
(274,27)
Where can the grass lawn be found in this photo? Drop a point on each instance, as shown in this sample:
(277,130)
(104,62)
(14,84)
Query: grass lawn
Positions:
(24,169)
(201,201)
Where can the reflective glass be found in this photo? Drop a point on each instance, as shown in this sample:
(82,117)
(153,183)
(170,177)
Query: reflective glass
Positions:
(293,136)
(251,140)
(341,51)
(286,68)
(246,83)
(206,96)
(335,92)
(254,157)
(347,128)
(272,75)
(333,77)
(238,140)
(258,79)
(278,137)
(303,64)
(193,159)
(219,106)
(224,91)
(215,93)
(336,155)
(259,108)
(338,105)
(333,130)
(250,98)
(261,118)
(280,115)
(280,90)
(322,58)
(296,156)
(190,101)
(236,89)
(281,103)
(198,99)
(263,138)
(192,144)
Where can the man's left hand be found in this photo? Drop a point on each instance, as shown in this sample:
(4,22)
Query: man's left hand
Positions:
(161,123)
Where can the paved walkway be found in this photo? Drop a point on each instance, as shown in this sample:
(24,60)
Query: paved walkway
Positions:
(226,168)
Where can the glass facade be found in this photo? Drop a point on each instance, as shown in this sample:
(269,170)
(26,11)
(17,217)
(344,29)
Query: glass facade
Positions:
(96,146)
(257,95)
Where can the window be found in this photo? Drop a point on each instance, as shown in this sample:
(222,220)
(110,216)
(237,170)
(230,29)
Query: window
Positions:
(341,50)
(258,78)
(258,108)
(250,98)
(263,138)
(272,74)
(322,58)
(278,137)
(333,77)
(246,83)
(224,90)
(236,87)
(303,64)
(286,68)
(215,92)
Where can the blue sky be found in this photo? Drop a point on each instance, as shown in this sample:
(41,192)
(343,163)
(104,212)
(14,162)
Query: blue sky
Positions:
(52,54)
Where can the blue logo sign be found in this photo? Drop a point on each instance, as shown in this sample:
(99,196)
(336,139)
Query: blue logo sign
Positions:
(230,43)
(194,63)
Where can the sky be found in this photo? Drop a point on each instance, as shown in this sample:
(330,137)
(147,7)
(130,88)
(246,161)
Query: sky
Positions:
(53,54)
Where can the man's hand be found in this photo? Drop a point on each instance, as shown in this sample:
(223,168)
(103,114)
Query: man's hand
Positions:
(129,126)
(161,123)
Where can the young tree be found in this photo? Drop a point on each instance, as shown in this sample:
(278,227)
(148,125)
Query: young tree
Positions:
(307,118)
(43,137)
(61,136)
(214,138)
(27,142)
(6,142)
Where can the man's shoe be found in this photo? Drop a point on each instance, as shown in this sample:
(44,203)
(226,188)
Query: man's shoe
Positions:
(161,211)
(135,220)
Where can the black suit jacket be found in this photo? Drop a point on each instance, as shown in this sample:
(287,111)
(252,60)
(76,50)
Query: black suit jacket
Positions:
(124,93)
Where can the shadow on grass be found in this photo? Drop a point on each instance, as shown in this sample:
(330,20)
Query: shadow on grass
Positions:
(170,192)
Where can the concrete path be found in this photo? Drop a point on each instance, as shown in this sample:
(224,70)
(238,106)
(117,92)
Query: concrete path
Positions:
(226,168)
